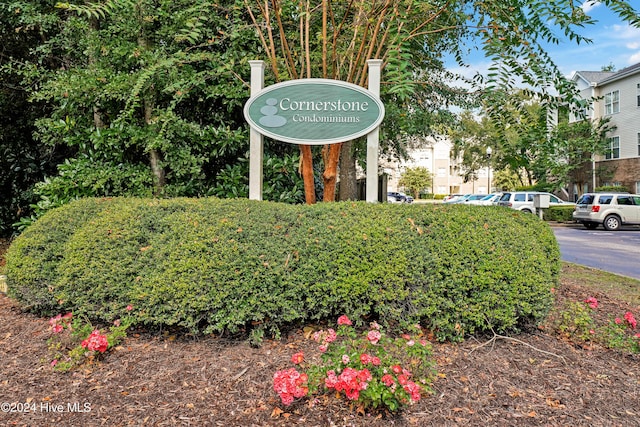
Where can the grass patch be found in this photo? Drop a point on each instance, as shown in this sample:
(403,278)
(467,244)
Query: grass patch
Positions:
(614,286)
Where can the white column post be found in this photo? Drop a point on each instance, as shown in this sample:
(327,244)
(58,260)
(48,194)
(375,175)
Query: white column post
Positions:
(256,140)
(373,137)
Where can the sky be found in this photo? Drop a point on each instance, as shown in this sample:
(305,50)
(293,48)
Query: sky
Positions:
(613,43)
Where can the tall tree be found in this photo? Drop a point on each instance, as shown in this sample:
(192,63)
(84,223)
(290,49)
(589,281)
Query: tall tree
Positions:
(146,91)
(416,180)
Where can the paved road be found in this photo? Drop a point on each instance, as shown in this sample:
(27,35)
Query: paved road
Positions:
(613,251)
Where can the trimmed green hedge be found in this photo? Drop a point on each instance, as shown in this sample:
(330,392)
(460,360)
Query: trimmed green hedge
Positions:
(212,265)
(559,213)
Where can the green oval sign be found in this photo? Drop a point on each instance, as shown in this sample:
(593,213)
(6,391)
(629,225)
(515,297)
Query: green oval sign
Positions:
(314,111)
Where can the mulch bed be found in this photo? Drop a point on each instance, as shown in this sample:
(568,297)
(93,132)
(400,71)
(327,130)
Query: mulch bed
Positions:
(534,379)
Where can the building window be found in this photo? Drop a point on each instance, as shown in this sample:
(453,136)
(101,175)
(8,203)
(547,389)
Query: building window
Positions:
(612,102)
(638,144)
(614,148)
(638,94)
(442,172)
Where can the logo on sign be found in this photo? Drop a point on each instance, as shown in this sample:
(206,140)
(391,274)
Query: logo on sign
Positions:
(270,117)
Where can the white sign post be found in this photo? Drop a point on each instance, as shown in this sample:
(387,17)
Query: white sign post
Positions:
(373,138)
(256,140)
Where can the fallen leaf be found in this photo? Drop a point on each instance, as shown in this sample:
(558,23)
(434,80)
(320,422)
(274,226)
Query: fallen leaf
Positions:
(308,331)
(276,412)
(554,403)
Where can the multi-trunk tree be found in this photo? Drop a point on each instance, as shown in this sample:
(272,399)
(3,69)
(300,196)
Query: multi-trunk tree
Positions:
(334,39)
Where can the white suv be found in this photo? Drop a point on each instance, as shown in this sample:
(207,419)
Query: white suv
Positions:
(609,209)
(523,200)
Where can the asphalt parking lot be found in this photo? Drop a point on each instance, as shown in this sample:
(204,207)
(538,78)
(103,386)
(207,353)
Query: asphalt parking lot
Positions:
(613,251)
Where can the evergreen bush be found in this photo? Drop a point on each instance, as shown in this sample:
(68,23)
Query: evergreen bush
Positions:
(215,265)
(559,213)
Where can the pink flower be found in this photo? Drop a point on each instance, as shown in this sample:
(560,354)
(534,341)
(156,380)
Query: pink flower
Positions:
(331,380)
(351,381)
(365,359)
(345,359)
(374,336)
(628,316)
(411,343)
(413,389)
(59,322)
(129,307)
(618,320)
(344,320)
(637,335)
(375,361)
(593,303)
(374,325)
(297,358)
(54,362)
(96,342)
(323,348)
(387,380)
(364,376)
(290,384)
(331,336)
(397,369)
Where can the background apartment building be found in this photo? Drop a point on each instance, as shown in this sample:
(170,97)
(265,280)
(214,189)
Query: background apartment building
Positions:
(617,97)
(435,155)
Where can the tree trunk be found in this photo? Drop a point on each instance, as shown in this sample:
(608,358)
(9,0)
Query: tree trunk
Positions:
(348,181)
(155,157)
(307,174)
(330,175)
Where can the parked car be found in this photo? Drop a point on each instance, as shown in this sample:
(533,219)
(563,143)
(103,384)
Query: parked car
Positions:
(470,198)
(456,198)
(397,197)
(523,200)
(609,209)
(488,199)
(448,198)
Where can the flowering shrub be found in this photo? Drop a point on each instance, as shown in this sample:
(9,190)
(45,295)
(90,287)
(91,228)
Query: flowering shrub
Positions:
(619,333)
(373,369)
(75,341)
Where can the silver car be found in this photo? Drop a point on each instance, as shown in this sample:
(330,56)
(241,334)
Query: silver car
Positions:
(523,200)
(612,210)
(487,200)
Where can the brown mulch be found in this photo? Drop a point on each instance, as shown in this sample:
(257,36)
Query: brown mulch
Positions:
(534,379)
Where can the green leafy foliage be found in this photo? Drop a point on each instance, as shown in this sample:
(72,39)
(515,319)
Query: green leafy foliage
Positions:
(212,265)
(416,180)
(558,213)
